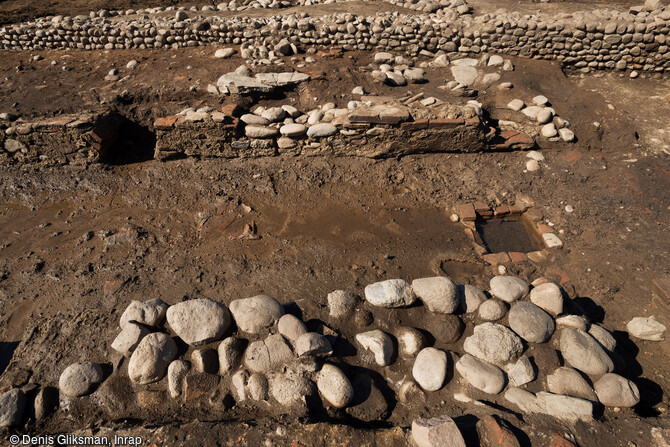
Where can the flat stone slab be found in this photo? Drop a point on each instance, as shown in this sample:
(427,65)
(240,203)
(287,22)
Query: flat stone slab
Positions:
(282,79)
(236,83)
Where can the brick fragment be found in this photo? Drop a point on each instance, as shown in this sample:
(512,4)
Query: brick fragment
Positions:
(466,212)
(496,258)
(662,287)
(501,210)
(537,256)
(415,125)
(445,123)
(492,432)
(560,441)
(533,214)
(483,209)
(517,257)
(516,209)
(165,122)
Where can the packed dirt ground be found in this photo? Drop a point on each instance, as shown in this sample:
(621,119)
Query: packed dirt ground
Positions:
(79,243)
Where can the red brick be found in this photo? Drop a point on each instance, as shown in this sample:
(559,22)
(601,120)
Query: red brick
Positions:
(516,209)
(501,210)
(445,123)
(521,138)
(572,157)
(472,122)
(514,139)
(466,212)
(113,286)
(483,209)
(493,433)
(165,122)
(542,228)
(415,125)
(231,109)
(496,258)
(662,287)
(537,256)
(517,256)
(560,441)
(533,214)
(333,52)
(557,272)
(312,74)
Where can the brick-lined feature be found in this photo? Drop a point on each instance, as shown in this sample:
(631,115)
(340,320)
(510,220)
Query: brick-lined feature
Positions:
(469,213)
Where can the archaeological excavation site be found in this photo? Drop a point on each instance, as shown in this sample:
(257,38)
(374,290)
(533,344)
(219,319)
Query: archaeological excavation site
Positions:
(328,223)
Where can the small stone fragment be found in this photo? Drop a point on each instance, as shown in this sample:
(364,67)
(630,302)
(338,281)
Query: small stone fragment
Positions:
(438,293)
(149,313)
(379,343)
(492,310)
(603,336)
(430,368)
(311,343)
(437,432)
(493,343)
(616,391)
(569,381)
(199,321)
(176,374)
(410,341)
(471,298)
(256,314)
(521,372)
(334,386)
(390,293)
(646,328)
(549,297)
(130,336)
(151,358)
(230,353)
(508,288)
(12,406)
(205,361)
(291,327)
(481,375)
(80,379)
(530,322)
(341,304)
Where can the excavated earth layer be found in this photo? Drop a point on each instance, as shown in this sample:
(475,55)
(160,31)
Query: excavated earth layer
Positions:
(152,183)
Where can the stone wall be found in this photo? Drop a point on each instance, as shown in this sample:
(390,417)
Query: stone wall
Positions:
(176,137)
(104,137)
(66,139)
(600,39)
